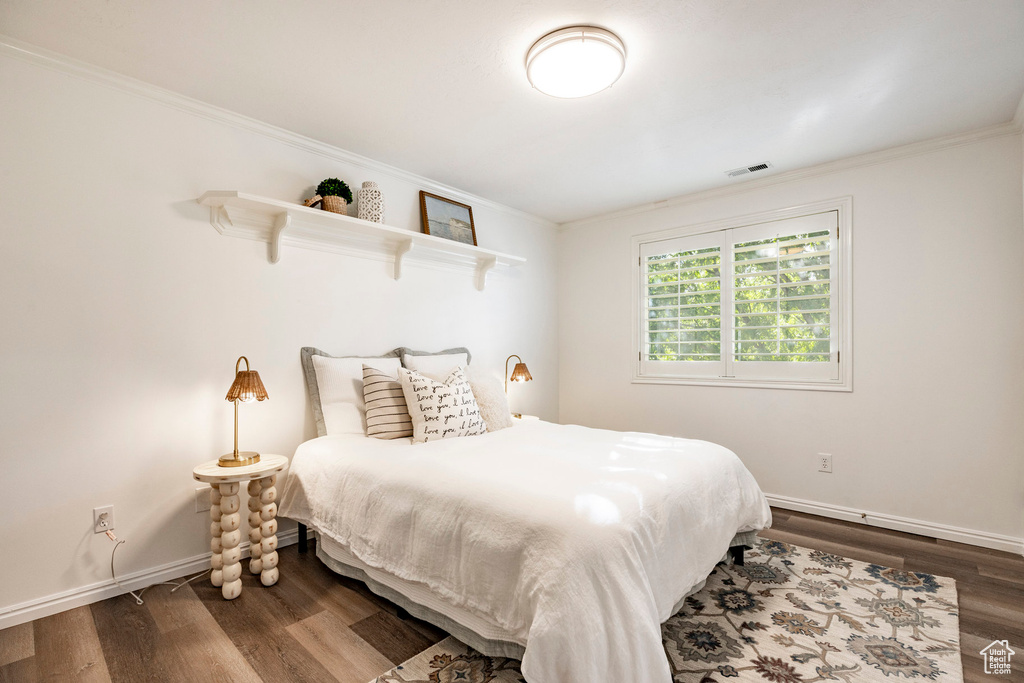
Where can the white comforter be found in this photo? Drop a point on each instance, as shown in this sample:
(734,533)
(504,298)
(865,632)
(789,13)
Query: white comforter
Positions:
(578,541)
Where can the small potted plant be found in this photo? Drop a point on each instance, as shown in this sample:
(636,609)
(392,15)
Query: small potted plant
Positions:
(335,195)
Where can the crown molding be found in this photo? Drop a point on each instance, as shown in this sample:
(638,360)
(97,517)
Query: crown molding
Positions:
(12,47)
(1013,127)
(34,54)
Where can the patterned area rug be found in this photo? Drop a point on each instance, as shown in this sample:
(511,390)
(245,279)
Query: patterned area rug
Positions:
(789,615)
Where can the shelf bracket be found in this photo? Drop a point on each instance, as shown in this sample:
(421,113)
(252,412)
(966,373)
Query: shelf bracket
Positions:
(401,249)
(220,219)
(282,222)
(484,266)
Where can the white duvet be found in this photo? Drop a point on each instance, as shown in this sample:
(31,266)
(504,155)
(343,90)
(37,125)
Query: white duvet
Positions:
(578,542)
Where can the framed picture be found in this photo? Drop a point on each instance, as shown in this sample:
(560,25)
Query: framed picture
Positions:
(448,219)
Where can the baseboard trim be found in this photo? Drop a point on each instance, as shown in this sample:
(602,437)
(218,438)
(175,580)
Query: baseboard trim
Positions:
(86,595)
(101,590)
(946,532)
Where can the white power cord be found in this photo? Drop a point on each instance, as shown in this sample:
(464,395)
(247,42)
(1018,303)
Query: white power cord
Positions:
(138,596)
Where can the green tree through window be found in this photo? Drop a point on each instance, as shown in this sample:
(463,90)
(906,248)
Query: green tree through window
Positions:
(763,301)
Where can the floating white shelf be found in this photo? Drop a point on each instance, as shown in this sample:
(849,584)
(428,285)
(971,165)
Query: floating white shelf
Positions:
(282,223)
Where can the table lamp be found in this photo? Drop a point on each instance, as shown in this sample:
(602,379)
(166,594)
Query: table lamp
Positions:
(520,373)
(246,387)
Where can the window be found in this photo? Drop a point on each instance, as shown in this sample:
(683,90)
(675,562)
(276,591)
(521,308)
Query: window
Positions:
(760,301)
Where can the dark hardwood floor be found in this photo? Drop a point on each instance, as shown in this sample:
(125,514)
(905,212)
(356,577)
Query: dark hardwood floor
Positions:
(316,626)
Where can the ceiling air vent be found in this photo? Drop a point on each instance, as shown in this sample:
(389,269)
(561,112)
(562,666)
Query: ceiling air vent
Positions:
(749,169)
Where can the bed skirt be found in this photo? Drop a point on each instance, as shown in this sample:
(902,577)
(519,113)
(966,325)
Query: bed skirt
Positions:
(339,561)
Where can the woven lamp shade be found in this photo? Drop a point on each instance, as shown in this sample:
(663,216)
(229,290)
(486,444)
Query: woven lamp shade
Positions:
(520,373)
(247,385)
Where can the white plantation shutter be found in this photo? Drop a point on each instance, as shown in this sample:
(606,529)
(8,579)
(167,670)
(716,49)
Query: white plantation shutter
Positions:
(782,302)
(683,304)
(760,302)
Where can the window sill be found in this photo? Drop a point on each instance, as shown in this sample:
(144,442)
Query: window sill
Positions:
(746,383)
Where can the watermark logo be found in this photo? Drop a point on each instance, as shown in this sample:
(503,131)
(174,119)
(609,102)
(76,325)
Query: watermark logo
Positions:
(997,657)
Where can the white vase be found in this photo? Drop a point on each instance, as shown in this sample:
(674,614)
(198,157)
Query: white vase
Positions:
(371,203)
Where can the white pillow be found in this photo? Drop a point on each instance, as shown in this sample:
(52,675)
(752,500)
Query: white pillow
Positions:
(490,397)
(441,410)
(436,367)
(342,418)
(340,381)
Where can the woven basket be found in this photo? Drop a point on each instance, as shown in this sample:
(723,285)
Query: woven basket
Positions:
(334,204)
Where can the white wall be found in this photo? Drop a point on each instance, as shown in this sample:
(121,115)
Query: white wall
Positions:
(123,312)
(933,429)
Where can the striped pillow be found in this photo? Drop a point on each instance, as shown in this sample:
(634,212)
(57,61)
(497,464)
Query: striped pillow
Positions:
(387,416)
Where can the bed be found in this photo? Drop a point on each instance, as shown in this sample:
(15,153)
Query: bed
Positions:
(563,546)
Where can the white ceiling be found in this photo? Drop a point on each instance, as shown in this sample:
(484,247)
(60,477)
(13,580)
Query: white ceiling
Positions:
(437,87)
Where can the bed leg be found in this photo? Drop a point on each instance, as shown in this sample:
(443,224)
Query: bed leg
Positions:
(737,555)
(303,544)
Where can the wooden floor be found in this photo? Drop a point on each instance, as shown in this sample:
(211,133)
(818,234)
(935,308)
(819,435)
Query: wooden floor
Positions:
(316,626)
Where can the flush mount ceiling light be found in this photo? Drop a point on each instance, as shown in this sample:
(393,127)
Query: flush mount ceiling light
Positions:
(575,61)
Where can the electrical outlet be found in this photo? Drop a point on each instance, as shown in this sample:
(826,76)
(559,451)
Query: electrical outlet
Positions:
(203,498)
(103,519)
(825,462)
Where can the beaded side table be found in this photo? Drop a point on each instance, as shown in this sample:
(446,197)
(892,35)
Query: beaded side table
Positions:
(226,520)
